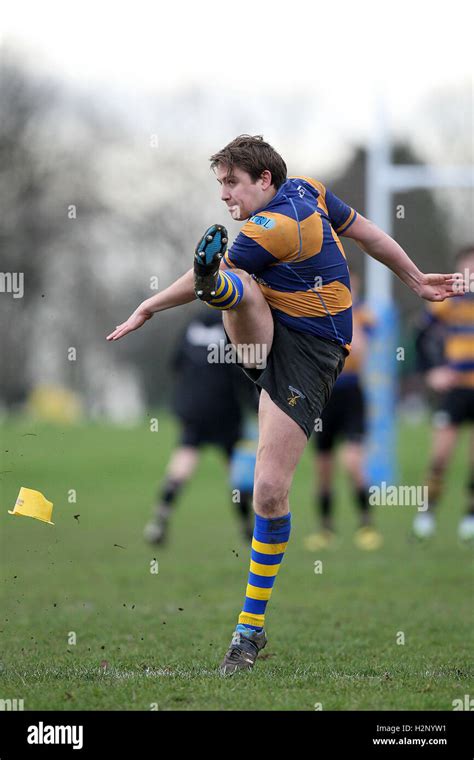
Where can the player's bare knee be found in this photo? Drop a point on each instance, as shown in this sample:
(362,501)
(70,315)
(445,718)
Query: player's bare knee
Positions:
(352,459)
(270,496)
(251,290)
(244,276)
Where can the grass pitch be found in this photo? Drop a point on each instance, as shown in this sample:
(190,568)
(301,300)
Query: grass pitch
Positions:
(147,640)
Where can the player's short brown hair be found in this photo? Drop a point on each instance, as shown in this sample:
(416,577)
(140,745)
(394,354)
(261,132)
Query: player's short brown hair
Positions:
(252,154)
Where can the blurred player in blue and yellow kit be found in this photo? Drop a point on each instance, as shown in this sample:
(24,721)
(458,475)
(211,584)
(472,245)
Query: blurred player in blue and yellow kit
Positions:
(344,420)
(448,326)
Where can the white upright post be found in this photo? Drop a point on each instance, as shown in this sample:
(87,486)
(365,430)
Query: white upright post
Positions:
(381,370)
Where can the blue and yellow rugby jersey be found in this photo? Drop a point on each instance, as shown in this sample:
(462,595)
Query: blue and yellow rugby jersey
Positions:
(292,249)
(457,317)
(363,319)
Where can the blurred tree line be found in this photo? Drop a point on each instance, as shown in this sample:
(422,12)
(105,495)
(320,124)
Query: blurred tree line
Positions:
(96,222)
(94,216)
(421,225)
(422,230)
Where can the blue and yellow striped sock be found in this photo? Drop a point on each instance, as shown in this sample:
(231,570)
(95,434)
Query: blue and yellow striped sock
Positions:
(270,537)
(229,291)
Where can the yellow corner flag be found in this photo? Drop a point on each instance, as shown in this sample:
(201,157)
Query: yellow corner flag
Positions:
(33,504)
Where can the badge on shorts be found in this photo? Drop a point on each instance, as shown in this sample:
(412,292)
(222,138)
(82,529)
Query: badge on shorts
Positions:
(295,395)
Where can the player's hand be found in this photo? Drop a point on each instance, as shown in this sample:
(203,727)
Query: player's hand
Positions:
(441,379)
(135,320)
(437,287)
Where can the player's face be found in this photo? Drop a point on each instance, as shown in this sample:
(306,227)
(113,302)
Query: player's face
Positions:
(240,193)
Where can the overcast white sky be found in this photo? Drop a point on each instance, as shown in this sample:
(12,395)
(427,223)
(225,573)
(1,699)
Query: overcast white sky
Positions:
(407,46)
(334,56)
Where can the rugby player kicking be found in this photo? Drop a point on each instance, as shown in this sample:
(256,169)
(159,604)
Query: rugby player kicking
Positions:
(283,284)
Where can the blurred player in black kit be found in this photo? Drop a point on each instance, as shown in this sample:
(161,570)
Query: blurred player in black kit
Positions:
(208,400)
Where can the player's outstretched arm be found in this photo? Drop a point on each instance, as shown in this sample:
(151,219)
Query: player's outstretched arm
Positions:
(379,245)
(180,292)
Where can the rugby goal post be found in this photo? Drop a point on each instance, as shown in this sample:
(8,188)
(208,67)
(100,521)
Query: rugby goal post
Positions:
(383,179)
